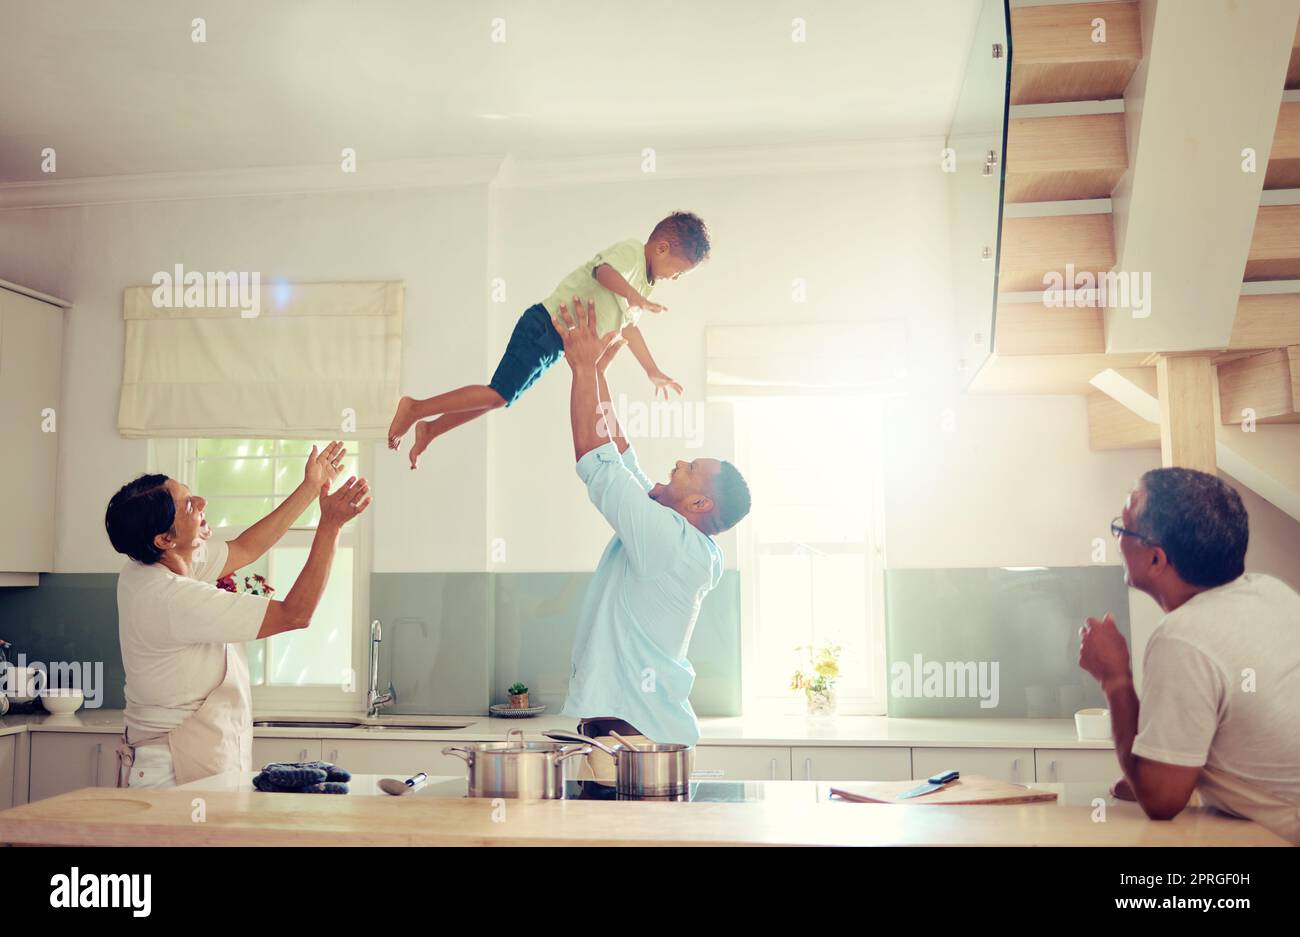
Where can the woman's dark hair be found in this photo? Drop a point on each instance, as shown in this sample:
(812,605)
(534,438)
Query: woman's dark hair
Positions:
(141,510)
(1199,521)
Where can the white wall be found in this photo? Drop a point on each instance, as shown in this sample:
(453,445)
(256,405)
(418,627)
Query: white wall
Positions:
(435,240)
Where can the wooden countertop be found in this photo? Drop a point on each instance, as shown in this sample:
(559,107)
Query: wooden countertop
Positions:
(109,817)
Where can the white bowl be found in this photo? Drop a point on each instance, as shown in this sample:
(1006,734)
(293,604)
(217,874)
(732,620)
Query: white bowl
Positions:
(59,702)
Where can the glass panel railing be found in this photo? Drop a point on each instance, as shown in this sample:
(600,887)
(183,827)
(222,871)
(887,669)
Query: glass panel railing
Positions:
(974,158)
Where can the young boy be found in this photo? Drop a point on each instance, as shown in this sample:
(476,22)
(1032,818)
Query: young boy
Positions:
(617,280)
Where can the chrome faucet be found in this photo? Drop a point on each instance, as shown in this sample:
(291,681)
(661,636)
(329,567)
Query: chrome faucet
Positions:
(374,699)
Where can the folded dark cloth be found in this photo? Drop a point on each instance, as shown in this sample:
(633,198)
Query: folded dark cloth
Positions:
(325,787)
(306,777)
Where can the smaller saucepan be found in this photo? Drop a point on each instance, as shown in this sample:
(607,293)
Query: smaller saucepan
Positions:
(650,770)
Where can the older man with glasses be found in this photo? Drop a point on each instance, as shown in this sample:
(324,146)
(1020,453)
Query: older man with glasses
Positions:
(1221,675)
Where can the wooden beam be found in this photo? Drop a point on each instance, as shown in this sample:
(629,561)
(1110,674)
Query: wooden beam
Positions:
(1032,247)
(1111,425)
(1057,158)
(1186,391)
(1275,244)
(1266,320)
(1035,329)
(1261,386)
(1056,60)
(1283,170)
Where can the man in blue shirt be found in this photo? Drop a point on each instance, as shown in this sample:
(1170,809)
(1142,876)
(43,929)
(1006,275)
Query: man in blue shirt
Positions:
(630,672)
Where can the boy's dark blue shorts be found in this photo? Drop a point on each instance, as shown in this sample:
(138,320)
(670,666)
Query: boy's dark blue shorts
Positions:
(533,347)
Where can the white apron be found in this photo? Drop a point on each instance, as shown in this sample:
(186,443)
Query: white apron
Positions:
(216,737)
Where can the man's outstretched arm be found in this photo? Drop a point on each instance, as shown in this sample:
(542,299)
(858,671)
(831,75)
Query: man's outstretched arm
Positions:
(584,350)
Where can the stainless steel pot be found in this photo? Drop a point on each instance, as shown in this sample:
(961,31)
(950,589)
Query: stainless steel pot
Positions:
(652,770)
(515,768)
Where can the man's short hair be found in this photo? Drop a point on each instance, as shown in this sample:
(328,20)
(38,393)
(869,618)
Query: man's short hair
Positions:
(141,510)
(685,234)
(1199,521)
(731,500)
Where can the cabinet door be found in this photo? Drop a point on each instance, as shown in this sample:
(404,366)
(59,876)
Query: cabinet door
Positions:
(850,764)
(8,761)
(31,349)
(69,761)
(1072,765)
(1002,764)
(266,751)
(742,763)
(396,758)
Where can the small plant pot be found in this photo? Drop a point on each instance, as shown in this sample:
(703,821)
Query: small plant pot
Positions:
(518,700)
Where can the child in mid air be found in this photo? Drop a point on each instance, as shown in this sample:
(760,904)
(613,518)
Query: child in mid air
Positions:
(617,280)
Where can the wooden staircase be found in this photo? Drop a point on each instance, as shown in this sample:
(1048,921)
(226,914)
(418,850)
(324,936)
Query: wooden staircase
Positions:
(1067,167)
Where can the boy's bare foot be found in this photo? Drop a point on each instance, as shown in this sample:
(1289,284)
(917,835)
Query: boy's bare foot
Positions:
(424,435)
(401,424)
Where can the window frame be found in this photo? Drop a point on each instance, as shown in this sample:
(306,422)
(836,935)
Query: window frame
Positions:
(177,458)
(791,702)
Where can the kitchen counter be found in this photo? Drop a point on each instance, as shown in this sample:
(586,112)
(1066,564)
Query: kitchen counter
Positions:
(741,730)
(109,817)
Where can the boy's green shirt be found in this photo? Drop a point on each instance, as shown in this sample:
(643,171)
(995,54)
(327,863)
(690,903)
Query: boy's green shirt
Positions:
(612,312)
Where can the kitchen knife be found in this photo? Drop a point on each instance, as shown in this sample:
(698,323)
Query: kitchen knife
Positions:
(931,784)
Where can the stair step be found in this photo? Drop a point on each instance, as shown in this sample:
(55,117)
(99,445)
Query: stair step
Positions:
(1031,247)
(1059,158)
(1267,384)
(1275,244)
(1284,158)
(1055,59)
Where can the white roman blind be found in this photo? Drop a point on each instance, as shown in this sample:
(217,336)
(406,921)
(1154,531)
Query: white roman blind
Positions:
(311,356)
(844,357)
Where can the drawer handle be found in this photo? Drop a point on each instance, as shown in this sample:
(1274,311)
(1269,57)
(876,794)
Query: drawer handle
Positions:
(334,756)
(1015,770)
(99,752)
(1051,769)
(807,769)
(772,769)
(302,755)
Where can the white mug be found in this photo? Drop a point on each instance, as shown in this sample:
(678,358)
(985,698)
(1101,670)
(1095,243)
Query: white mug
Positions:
(1092,724)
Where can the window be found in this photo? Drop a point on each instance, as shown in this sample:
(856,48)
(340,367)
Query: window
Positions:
(811,553)
(243,480)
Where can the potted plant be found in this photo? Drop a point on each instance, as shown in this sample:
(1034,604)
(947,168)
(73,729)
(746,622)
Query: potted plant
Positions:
(818,679)
(518,696)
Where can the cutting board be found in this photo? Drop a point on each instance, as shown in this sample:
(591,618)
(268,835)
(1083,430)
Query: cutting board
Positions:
(968,789)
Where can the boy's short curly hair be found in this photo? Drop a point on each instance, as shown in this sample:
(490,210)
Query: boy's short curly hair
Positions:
(686,235)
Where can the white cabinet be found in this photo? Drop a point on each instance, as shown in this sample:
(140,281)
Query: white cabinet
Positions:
(395,758)
(1072,765)
(69,761)
(31,352)
(1002,764)
(850,764)
(8,764)
(267,751)
(742,763)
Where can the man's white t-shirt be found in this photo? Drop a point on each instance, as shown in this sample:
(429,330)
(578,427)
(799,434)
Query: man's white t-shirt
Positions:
(174,631)
(1221,689)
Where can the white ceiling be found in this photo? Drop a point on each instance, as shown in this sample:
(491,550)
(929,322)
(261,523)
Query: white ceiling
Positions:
(118,87)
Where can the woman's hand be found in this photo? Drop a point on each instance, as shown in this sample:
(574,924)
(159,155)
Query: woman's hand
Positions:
(324,467)
(351,498)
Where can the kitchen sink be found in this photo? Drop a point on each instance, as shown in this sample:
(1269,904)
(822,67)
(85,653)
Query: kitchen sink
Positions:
(372,725)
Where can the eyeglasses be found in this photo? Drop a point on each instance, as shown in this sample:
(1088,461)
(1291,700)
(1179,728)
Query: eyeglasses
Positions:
(1118,529)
